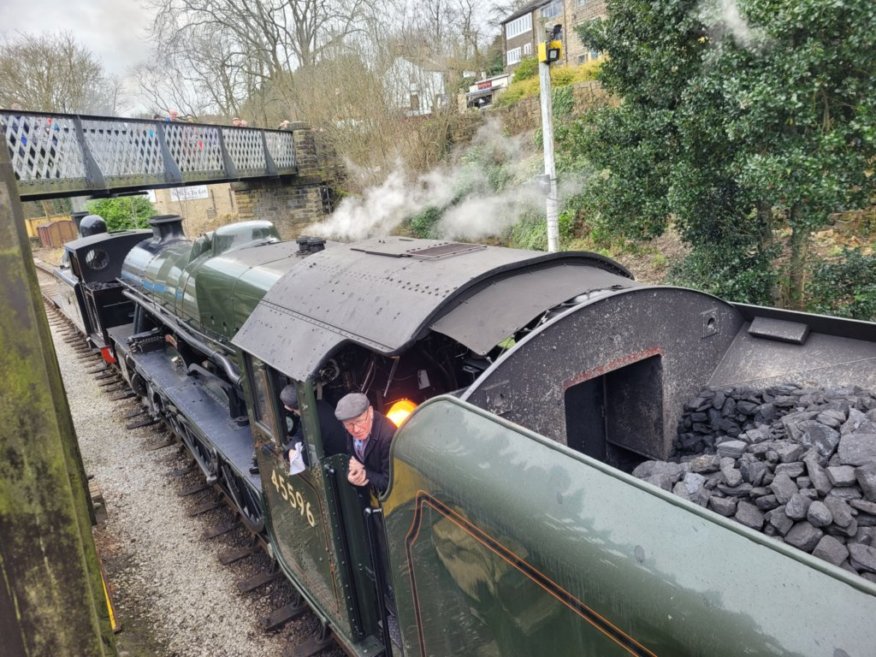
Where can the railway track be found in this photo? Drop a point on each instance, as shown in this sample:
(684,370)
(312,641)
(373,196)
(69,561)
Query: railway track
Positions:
(280,621)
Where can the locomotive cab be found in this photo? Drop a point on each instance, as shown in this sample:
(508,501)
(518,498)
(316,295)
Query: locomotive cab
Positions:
(397,319)
(91,295)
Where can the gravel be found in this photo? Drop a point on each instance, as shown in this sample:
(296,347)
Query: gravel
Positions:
(172,596)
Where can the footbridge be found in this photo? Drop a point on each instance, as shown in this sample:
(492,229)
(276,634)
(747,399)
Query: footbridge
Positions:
(56,155)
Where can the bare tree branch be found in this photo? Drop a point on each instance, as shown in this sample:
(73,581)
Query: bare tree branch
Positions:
(53,73)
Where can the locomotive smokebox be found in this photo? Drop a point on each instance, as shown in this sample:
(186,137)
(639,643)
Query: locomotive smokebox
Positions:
(308,245)
(166,228)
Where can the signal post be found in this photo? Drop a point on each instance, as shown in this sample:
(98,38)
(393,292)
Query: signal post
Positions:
(549,51)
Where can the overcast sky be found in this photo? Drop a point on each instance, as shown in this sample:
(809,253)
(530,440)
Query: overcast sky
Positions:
(114,30)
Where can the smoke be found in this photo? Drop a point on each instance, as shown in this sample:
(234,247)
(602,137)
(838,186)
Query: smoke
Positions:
(724,19)
(464,191)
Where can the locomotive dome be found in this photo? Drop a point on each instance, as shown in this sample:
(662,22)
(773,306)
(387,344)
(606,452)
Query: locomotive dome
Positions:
(92,224)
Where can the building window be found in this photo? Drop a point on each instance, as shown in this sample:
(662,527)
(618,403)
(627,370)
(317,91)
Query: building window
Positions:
(415,102)
(594,54)
(552,10)
(512,56)
(518,26)
(527,49)
(581,3)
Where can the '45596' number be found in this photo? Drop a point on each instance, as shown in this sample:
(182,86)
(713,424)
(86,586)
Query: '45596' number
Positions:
(295,498)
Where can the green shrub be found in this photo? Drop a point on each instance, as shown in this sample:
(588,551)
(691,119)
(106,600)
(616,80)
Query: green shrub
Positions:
(563,102)
(423,224)
(527,68)
(561,76)
(732,274)
(531,231)
(846,288)
(124,212)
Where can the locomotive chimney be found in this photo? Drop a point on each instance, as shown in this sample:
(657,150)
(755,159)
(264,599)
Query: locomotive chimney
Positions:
(309,245)
(166,228)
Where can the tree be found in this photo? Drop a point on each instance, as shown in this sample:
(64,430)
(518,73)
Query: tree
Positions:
(736,120)
(53,73)
(221,54)
(124,212)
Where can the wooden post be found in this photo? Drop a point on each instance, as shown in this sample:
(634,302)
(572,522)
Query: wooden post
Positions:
(51,594)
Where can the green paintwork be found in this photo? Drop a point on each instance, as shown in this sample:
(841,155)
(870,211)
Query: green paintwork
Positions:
(51,598)
(316,528)
(214,282)
(506,543)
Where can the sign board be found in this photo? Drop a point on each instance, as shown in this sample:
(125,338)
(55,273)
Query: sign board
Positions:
(189,193)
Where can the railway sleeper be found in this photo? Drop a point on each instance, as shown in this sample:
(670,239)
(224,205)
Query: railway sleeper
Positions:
(194,490)
(317,642)
(259,580)
(208,505)
(286,614)
(236,554)
(219,530)
(145,422)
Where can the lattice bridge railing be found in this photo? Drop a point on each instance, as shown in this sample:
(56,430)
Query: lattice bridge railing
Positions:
(69,155)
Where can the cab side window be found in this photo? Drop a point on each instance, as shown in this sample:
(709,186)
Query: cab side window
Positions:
(263,409)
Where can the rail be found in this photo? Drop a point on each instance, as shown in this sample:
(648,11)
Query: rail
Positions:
(56,155)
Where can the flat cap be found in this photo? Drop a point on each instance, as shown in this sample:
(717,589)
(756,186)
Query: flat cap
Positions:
(351,405)
(289,396)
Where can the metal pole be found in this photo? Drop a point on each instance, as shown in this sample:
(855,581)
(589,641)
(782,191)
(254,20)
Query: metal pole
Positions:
(550,167)
(51,592)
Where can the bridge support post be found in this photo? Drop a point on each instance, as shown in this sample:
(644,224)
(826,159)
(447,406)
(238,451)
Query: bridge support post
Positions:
(51,595)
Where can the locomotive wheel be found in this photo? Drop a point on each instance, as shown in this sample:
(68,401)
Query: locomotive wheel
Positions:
(245,500)
(205,458)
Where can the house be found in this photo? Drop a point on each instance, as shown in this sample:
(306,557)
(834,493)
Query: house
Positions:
(415,89)
(527,27)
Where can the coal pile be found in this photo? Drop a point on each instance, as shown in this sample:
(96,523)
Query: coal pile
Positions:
(798,464)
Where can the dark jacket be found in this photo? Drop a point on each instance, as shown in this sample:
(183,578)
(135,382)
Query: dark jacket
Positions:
(376,457)
(334,436)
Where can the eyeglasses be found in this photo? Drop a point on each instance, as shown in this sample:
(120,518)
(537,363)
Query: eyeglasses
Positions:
(358,422)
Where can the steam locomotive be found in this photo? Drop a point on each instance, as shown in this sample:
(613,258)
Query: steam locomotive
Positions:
(511,525)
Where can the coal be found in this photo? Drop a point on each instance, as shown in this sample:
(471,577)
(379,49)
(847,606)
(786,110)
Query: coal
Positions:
(798,464)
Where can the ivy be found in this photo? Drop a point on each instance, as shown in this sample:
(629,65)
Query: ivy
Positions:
(846,288)
(747,135)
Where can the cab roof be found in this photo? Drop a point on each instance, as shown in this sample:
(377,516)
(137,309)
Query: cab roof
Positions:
(387,292)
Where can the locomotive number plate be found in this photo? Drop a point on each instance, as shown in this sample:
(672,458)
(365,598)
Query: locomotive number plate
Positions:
(294,497)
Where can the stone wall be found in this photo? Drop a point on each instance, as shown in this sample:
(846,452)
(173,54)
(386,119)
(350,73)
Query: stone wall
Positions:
(294,203)
(291,206)
(526,114)
(199,214)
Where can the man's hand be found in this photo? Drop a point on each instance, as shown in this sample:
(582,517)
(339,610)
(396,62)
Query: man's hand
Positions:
(356,474)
